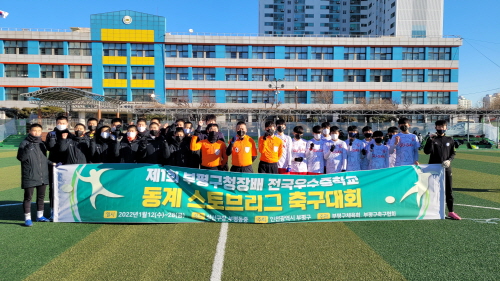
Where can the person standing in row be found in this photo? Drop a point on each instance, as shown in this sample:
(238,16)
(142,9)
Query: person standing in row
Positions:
(405,144)
(299,146)
(314,153)
(378,153)
(286,159)
(271,150)
(213,150)
(335,153)
(243,150)
(355,149)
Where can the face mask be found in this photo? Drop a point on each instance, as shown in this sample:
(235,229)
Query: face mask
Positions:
(178,138)
(297,136)
(403,128)
(241,133)
(368,135)
(104,135)
(62,127)
(335,136)
(280,129)
(390,136)
(326,132)
(212,137)
(270,131)
(441,132)
(353,135)
(153,132)
(317,136)
(92,128)
(131,134)
(187,131)
(379,140)
(79,133)
(141,129)
(113,129)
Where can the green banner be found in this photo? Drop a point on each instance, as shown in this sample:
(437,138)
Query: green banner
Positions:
(144,193)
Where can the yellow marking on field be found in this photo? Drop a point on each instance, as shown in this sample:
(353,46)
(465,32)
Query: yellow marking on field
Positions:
(481,158)
(8,154)
(467,181)
(11,177)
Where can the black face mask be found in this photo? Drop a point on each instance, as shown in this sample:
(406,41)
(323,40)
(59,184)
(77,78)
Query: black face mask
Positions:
(270,131)
(79,133)
(153,132)
(92,128)
(390,136)
(280,129)
(178,138)
(353,135)
(379,140)
(440,132)
(296,136)
(241,133)
(212,137)
(368,135)
(403,128)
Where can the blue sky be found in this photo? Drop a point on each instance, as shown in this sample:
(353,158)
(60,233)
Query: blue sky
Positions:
(476,21)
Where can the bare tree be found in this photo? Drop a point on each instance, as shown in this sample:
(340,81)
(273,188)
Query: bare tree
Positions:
(183,103)
(206,102)
(324,98)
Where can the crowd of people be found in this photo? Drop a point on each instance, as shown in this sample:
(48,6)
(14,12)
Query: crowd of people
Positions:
(180,144)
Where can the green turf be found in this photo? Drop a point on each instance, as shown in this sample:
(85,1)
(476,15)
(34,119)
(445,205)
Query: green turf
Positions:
(8,162)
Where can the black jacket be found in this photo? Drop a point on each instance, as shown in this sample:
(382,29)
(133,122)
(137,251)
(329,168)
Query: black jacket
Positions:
(52,144)
(34,163)
(75,150)
(100,150)
(203,134)
(125,151)
(151,150)
(179,153)
(440,148)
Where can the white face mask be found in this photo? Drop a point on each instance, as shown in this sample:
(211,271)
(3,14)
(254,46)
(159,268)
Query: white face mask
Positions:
(141,129)
(131,134)
(187,131)
(317,136)
(105,135)
(62,127)
(113,129)
(326,132)
(335,136)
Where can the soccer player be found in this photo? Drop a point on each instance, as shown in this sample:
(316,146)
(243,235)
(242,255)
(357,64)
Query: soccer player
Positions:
(100,146)
(125,147)
(314,153)
(178,151)
(243,150)
(188,128)
(392,131)
(34,172)
(116,128)
(335,153)
(142,128)
(75,148)
(378,153)
(271,150)
(155,120)
(203,134)
(92,126)
(151,146)
(367,141)
(325,131)
(286,159)
(442,151)
(354,149)
(406,145)
(299,146)
(213,150)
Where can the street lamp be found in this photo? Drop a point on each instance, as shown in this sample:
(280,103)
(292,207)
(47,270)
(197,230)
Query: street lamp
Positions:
(296,96)
(276,87)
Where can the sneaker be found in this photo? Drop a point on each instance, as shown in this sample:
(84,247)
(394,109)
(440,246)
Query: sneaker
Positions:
(51,219)
(454,216)
(28,223)
(42,219)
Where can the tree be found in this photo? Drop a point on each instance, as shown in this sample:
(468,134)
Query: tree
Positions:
(324,98)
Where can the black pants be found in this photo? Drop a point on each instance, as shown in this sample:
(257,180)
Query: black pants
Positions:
(208,168)
(40,196)
(244,169)
(449,189)
(51,186)
(267,168)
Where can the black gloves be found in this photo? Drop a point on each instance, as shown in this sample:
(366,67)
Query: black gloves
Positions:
(363,151)
(372,146)
(350,142)
(299,159)
(332,148)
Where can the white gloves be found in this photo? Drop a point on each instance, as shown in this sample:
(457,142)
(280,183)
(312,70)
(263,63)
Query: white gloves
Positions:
(446,164)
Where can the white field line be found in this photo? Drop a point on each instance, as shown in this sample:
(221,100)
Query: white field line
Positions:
(14,204)
(219,254)
(482,207)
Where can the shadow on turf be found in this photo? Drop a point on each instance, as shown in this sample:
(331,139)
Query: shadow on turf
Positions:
(14,214)
(476,190)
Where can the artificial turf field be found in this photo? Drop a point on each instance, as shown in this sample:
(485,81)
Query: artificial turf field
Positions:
(375,250)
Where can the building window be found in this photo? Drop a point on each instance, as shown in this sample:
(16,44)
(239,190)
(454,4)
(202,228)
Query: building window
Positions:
(415,53)
(176,51)
(262,52)
(262,97)
(295,97)
(177,96)
(354,97)
(262,74)
(114,50)
(80,49)
(439,75)
(80,71)
(322,53)
(15,47)
(120,94)
(176,73)
(15,93)
(438,97)
(354,75)
(143,73)
(236,52)
(207,74)
(142,95)
(412,97)
(52,71)
(296,75)
(293,53)
(16,70)
(324,97)
(440,53)
(115,72)
(142,50)
(380,97)
(203,96)
(236,96)
(200,51)
(413,75)
(236,74)
(51,48)
(377,53)
(381,75)
(355,53)
(322,75)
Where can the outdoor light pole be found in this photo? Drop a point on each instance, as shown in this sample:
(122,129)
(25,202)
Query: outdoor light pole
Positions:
(296,96)
(276,87)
